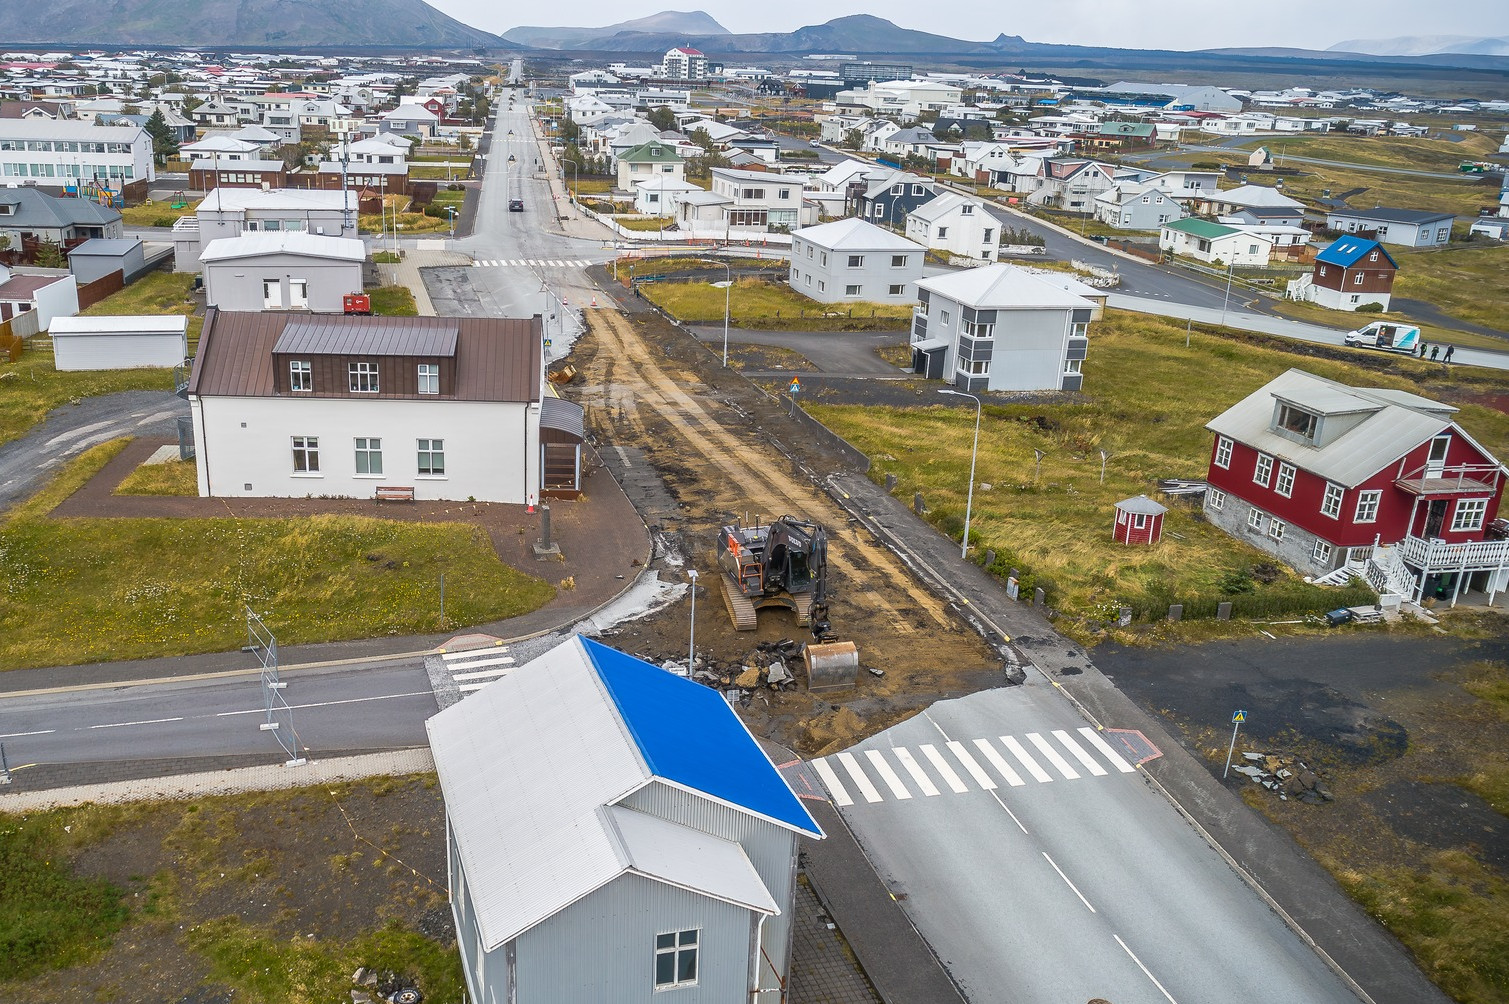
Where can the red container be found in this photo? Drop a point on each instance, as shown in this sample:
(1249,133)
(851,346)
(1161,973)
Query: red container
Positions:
(356,303)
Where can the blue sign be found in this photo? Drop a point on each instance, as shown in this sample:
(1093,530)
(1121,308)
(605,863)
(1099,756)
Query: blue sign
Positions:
(1238,717)
(796,386)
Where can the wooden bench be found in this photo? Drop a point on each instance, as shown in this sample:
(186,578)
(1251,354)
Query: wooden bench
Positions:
(394,493)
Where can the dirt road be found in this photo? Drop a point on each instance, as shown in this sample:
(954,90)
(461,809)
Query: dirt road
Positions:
(650,386)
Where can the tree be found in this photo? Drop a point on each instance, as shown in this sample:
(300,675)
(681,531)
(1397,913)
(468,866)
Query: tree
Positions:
(164,143)
(854,139)
(50,255)
(662,118)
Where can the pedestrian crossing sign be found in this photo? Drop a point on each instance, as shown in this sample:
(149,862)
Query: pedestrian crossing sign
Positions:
(1238,717)
(796,385)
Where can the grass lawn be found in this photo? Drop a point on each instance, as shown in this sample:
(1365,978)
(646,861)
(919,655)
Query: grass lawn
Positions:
(155,293)
(157,214)
(650,223)
(1468,281)
(1056,528)
(31,387)
(588,186)
(175,477)
(408,223)
(1415,153)
(759,303)
(393,301)
(438,173)
(173,587)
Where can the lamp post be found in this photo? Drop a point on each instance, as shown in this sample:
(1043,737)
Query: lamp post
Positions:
(1226,300)
(974,453)
(728,285)
(576,177)
(452,211)
(691,645)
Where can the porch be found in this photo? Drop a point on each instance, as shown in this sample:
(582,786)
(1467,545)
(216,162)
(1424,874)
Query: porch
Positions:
(1421,569)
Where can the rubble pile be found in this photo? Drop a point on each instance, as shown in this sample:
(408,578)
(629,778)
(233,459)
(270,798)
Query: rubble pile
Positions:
(1286,774)
(770,666)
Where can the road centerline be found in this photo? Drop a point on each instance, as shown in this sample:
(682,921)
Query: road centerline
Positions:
(1071,885)
(1145,971)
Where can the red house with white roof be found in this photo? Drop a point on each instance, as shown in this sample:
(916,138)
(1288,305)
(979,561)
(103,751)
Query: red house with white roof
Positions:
(1380,483)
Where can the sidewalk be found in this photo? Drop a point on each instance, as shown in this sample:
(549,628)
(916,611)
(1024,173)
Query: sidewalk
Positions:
(406,273)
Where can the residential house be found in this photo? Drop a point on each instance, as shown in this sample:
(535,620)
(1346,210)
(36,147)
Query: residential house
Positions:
(231,212)
(282,270)
(214,115)
(614,833)
(1351,272)
(902,99)
(854,260)
(50,292)
(410,120)
(1249,197)
(958,225)
(1316,472)
(44,151)
(888,197)
(758,199)
(647,161)
(292,405)
(1136,206)
(1000,327)
(29,217)
(658,196)
(1291,243)
(1185,185)
(1072,184)
(1210,242)
(1411,228)
(917,141)
(205,175)
(683,63)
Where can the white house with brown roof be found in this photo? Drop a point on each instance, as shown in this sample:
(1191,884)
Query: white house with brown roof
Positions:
(289,405)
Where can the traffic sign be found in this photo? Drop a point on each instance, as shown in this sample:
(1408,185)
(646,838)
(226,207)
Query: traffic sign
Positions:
(1238,717)
(795,386)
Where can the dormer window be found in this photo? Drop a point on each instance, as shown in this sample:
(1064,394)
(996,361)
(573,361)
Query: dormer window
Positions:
(1297,422)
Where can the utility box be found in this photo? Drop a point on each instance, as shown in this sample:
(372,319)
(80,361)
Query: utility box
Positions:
(356,303)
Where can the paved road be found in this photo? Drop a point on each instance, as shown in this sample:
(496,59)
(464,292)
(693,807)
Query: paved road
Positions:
(1034,859)
(71,429)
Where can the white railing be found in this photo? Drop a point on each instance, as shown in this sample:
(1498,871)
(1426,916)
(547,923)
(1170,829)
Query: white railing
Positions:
(1438,555)
(1468,477)
(1387,573)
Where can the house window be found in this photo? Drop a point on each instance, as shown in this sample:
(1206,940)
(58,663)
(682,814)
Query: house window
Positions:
(976,329)
(429,378)
(363,377)
(1321,555)
(989,235)
(822,285)
(975,367)
(898,189)
(898,289)
(917,190)
(856,261)
(1373,256)
(1443,234)
(1331,504)
(1074,365)
(809,250)
(1276,529)
(852,289)
(432,457)
(1080,330)
(898,260)
(1301,423)
(675,959)
(1322,270)
(1255,519)
(1216,499)
(823,258)
(299,376)
(1357,279)
(1468,515)
(1367,507)
(783,193)
(1262,471)
(943,317)
(942,232)
(306,454)
(368,456)
(1285,484)
(966,210)
(1139,521)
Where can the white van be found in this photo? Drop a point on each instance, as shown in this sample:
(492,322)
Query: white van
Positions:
(1385,335)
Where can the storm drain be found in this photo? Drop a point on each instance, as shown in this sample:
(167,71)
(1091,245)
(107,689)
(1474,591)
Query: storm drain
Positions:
(1134,743)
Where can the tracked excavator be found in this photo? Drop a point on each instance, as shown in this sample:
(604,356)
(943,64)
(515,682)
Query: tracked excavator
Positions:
(783,563)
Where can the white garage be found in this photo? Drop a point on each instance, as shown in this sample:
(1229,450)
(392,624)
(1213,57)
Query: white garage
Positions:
(119,343)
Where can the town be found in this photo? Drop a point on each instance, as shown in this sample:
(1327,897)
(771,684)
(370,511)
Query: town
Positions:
(863,523)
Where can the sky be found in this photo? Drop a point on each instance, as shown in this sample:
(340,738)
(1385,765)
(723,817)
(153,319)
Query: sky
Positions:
(1170,24)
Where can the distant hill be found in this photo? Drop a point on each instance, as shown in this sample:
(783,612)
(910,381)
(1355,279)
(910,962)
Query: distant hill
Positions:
(1426,45)
(667,22)
(857,33)
(253,23)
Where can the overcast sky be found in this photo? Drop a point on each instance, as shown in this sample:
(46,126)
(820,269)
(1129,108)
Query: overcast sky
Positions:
(1173,24)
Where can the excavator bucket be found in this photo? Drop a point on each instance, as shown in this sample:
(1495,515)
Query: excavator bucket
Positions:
(831,665)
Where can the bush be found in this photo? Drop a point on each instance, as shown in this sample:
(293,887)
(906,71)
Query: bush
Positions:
(1368,308)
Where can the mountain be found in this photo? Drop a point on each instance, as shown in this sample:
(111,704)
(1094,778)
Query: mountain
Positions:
(1426,45)
(667,22)
(304,24)
(857,33)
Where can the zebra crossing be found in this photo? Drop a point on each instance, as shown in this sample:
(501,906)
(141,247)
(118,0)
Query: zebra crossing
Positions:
(476,668)
(530,263)
(898,773)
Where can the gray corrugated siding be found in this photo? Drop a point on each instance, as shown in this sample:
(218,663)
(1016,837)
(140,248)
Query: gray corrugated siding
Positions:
(770,848)
(467,939)
(601,949)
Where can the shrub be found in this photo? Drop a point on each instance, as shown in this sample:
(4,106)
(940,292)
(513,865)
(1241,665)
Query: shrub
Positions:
(1368,308)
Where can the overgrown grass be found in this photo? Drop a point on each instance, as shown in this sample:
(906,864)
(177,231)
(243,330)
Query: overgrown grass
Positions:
(1469,282)
(177,586)
(760,303)
(175,477)
(158,214)
(1414,153)
(156,293)
(393,301)
(32,386)
(1147,399)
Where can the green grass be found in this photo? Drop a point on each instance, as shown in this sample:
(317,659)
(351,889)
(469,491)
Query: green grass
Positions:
(650,223)
(393,301)
(1056,528)
(177,586)
(32,386)
(1414,153)
(588,186)
(155,293)
(760,303)
(175,477)
(159,214)
(1470,282)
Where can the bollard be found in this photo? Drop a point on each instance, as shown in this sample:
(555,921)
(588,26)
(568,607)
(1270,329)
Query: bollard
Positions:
(1038,597)
(545,548)
(1176,611)
(1223,612)
(545,524)
(990,558)
(1015,574)
(917,505)
(890,482)
(1124,618)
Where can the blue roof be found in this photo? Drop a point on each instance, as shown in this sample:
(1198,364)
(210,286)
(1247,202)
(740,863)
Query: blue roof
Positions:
(689,735)
(1347,251)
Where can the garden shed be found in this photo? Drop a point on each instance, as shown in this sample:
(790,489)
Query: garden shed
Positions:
(1139,520)
(112,343)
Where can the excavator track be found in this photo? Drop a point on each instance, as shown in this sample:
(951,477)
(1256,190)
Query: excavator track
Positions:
(740,610)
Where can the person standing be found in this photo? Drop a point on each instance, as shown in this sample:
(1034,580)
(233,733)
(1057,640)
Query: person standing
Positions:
(1422,348)
(1450,349)
(1435,350)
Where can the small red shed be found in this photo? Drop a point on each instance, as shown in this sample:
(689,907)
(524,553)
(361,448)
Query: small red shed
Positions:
(1138,521)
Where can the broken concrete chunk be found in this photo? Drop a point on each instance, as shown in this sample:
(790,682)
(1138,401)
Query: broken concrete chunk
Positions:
(750,677)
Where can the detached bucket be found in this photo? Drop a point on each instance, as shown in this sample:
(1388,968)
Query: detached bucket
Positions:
(832,665)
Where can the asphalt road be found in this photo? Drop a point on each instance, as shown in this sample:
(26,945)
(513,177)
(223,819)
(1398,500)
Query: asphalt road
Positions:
(1051,888)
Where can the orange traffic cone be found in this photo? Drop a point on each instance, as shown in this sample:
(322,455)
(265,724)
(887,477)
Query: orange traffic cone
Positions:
(594,301)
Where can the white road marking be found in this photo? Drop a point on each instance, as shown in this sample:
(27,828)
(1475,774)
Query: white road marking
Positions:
(18,735)
(1145,972)
(868,790)
(329,704)
(999,763)
(1052,754)
(482,674)
(944,770)
(878,761)
(82,430)
(1022,755)
(1002,804)
(972,765)
(1071,885)
(832,783)
(1106,750)
(121,725)
(1090,762)
(904,756)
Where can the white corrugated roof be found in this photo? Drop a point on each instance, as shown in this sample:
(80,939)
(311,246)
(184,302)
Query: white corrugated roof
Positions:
(232,199)
(118,324)
(1001,286)
(1398,423)
(689,859)
(297,242)
(854,234)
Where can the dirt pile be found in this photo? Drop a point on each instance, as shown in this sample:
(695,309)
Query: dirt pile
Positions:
(1285,774)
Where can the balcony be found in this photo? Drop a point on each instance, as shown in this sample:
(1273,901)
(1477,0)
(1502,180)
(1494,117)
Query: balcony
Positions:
(1464,479)
(1439,556)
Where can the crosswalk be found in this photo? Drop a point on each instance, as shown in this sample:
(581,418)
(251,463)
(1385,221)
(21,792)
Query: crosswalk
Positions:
(476,668)
(900,773)
(530,263)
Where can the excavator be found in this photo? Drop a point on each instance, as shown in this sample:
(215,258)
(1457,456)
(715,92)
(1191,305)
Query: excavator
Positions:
(783,563)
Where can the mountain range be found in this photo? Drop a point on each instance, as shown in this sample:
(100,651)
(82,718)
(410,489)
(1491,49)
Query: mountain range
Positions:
(1427,45)
(677,22)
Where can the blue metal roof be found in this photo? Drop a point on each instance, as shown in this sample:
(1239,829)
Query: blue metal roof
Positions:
(1348,251)
(689,735)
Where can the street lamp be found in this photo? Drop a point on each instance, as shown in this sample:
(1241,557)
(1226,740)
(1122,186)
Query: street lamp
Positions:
(1225,301)
(973,454)
(728,285)
(452,211)
(691,645)
(576,177)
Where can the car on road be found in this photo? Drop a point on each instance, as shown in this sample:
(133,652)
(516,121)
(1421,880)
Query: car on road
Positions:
(1385,335)
(515,205)
(814,143)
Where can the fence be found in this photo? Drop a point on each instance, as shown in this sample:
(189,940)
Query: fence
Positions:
(11,344)
(91,293)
